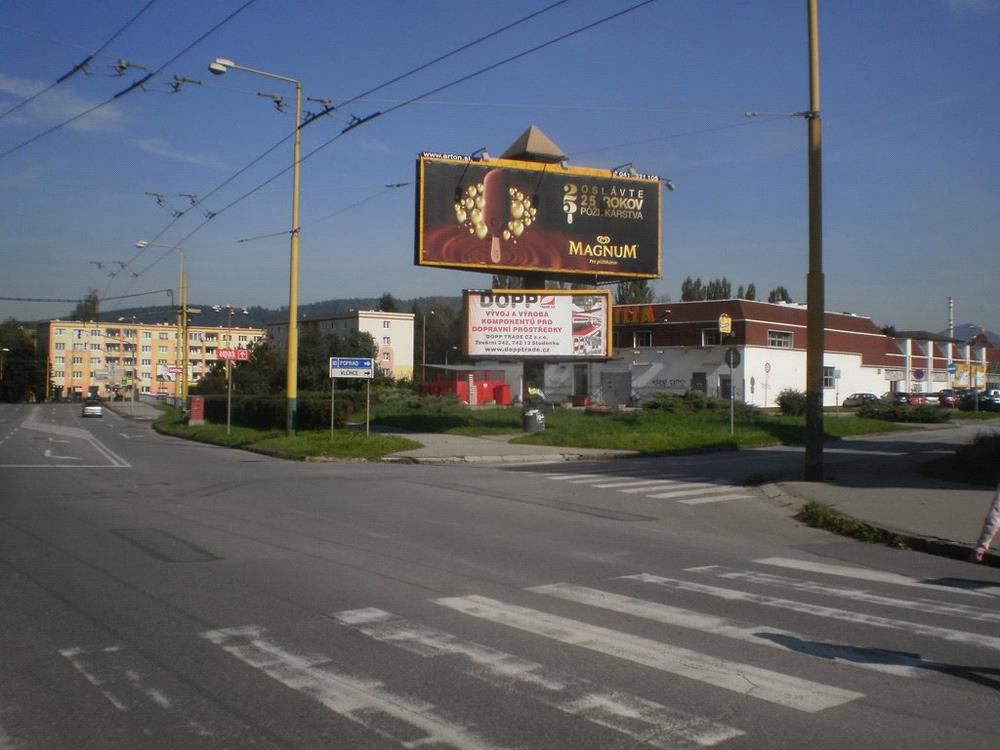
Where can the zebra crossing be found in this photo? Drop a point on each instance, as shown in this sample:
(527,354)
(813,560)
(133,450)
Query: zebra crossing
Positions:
(686,491)
(765,586)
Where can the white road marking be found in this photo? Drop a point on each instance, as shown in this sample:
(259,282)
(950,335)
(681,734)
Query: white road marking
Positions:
(745,679)
(867,574)
(32,423)
(947,634)
(693,490)
(666,484)
(928,606)
(760,635)
(717,498)
(561,477)
(644,721)
(632,483)
(49,454)
(363,701)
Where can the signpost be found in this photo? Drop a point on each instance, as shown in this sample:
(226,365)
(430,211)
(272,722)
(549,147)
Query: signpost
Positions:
(733,360)
(231,355)
(351,367)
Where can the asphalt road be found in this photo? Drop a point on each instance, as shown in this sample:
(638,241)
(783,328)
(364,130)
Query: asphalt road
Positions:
(163,594)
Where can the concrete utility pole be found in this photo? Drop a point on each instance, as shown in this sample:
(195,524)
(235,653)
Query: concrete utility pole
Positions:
(815,303)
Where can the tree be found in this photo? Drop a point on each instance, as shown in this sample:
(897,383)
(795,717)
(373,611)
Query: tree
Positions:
(22,373)
(889,331)
(751,293)
(86,309)
(692,291)
(740,292)
(719,289)
(636,292)
(503,281)
(387,303)
(779,294)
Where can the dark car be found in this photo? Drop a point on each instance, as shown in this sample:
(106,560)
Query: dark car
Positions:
(897,398)
(857,399)
(982,400)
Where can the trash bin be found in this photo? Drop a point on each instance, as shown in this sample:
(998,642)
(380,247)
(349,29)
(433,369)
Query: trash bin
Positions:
(533,420)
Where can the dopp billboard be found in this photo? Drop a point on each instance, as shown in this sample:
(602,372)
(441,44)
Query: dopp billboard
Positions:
(545,323)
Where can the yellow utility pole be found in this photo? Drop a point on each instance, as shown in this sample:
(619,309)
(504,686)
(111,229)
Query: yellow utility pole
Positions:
(815,302)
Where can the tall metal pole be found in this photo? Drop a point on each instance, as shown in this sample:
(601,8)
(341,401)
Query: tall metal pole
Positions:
(814,281)
(292,380)
(229,373)
(180,333)
(184,343)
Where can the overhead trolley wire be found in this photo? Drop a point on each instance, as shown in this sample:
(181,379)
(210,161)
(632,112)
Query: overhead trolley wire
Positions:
(80,65)
(361,121)
(134,85)
(327,110)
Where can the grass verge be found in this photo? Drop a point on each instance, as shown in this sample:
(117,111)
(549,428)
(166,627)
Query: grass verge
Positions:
(644,430)
(346,445)
(821,516)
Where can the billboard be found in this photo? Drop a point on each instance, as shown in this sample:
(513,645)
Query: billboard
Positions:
(544,323)
(500,215)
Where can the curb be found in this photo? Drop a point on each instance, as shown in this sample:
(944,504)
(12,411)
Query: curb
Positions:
(497,459)
(915,542)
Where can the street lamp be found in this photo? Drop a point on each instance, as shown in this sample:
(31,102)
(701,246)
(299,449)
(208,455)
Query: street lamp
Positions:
(448,351)
(181,352)
(219,67)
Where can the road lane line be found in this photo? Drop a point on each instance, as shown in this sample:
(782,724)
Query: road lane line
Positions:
(858,618)
(929,606)
(643,720)
(867,574)
(745,679)
(363,701)
(760,635)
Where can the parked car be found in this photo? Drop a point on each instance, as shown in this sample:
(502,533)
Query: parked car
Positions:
(857,399)
(982,400)
(917,399)
(947,398)
(92,408)
(896,398)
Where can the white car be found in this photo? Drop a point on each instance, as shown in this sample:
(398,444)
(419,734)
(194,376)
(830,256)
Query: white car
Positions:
(92,408)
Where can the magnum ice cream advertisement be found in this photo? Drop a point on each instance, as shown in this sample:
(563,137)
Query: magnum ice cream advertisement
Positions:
(545,323)
(503,215)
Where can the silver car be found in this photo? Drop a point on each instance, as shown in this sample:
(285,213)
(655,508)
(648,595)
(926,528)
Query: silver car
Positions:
(92,408)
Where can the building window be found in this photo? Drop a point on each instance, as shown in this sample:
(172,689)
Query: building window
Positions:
(711,337)
(77,360)
(147,362)
(147,348)
(60,360)
(60,345)
(60,331)
(386,324)
(77,374)
(95,331)
(642,338)
(163,350)
(829,375)
(59,373)
(164,336)
(780,339)
(385,341)
(242,339)
(385,356)
(95,362)
(147,334)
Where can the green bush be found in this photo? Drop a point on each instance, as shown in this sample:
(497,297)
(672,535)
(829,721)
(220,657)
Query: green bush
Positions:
(791,402)
(696,402)
(269,412)
(902,413)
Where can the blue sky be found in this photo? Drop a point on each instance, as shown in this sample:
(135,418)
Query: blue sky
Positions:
(909,103)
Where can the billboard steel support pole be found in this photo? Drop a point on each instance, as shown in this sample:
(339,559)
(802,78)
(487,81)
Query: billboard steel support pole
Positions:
(814,281)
